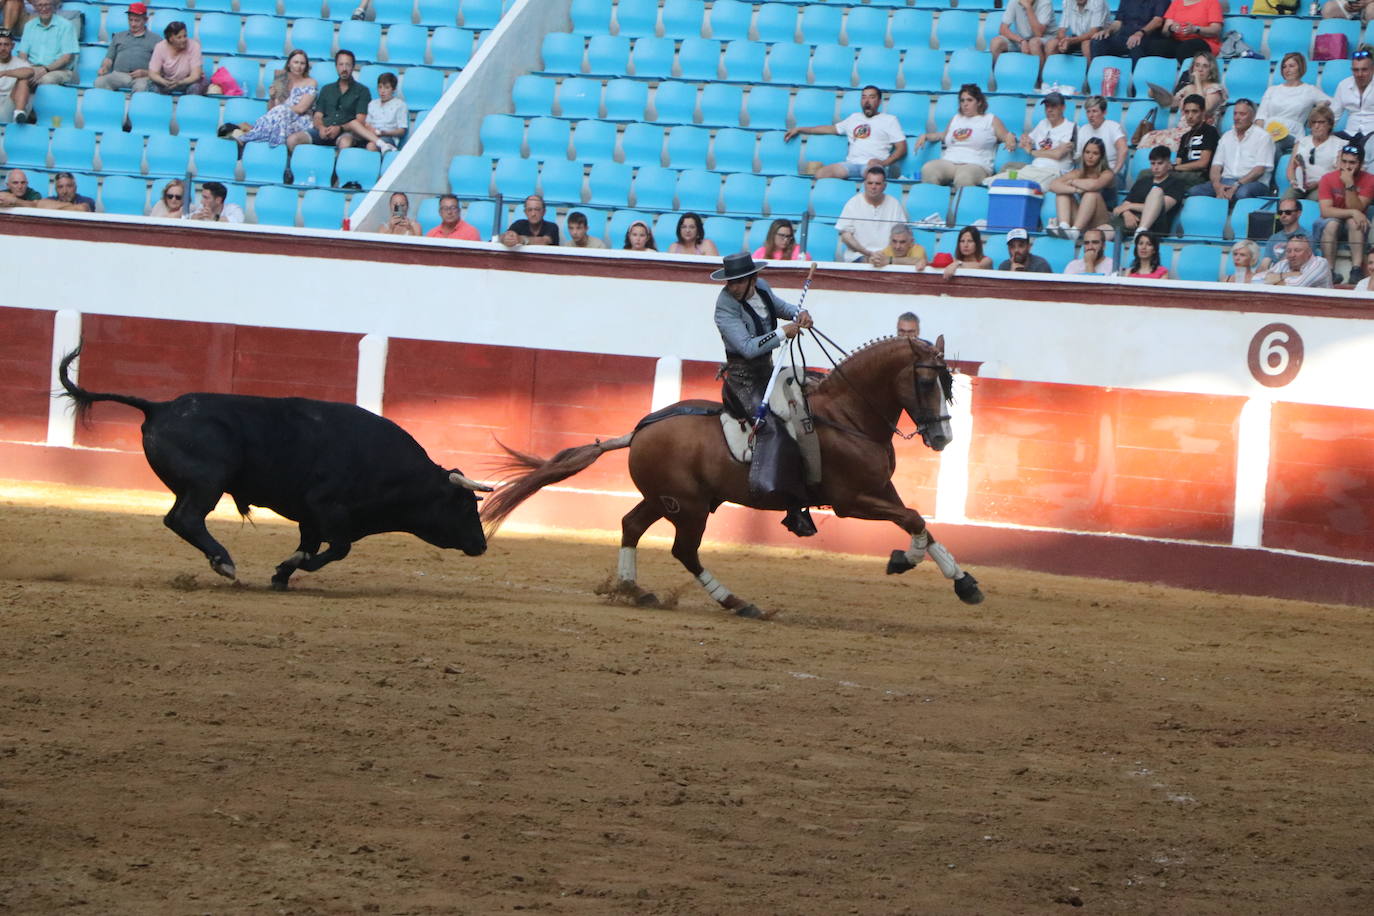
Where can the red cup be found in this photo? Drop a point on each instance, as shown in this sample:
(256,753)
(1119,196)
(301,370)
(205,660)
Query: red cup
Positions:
(1111,81)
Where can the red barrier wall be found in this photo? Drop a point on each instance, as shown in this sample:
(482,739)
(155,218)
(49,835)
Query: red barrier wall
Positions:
(1320,497)
(25,367)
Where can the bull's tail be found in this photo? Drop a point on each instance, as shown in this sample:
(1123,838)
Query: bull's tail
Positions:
(84,399)
(539,473)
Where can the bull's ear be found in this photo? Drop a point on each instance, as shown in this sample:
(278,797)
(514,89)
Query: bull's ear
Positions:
(458,478)
(940,345)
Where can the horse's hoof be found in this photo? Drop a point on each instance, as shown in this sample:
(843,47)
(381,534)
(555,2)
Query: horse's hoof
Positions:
(647,599)
(966,587)
(224,568)
(898,563)
(280,585)
(750,611)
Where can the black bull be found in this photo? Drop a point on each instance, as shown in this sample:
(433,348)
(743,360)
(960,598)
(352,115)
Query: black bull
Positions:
(337,470)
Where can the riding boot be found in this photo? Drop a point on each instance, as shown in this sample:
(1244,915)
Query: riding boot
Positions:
(798,521)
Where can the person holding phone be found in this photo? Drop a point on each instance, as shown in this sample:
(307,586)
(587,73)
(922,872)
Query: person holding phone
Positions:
(399,222)
(1348,9)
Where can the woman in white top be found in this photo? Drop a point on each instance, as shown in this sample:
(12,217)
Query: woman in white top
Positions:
(1289,103)
(970,143)
(1079,195)
(1245,257)
(1314,155)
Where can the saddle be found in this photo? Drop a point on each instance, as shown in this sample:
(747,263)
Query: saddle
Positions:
(787,414)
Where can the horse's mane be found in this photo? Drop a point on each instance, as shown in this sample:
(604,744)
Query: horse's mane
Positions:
(864,352)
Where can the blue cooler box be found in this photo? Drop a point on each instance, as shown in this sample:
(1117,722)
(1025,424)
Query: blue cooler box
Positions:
(1014,203)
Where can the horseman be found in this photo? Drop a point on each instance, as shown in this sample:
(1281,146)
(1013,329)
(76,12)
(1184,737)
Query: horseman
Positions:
(747,313)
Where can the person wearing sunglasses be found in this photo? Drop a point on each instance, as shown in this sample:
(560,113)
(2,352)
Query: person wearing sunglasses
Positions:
(1313,155)
(1355,96)
(1290,224)
(1345,195)
(172,203)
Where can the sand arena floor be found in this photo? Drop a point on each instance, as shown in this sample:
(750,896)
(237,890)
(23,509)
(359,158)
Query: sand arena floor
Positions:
(414,731)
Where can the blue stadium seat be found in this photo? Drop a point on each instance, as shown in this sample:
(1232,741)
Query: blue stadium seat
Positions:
(699,59)
(274,205)
(405,45)
(311,166)
(358,165)
(675,103)
(912,29)
(652,58)
(480,14)
(218,33)
(832,65)
(313,36)
(26,146)
(590,17)
(579,97)
(533,95)
(1203,217)
(626,99)
(1251,29)
(216,160)
(812,107)
(767,107)
(822,240)
(911,108)
(636,18)
(789,63)
(1289,33)
(247,73)
(1012,73)
(758,234)
(878,67)
(923,200)
(515,178)
(821,24)
(1162,71)
(150,112)
(687,146)
(304,9)
(90,21)
(197,116)
(364,39)
(73,149)
(1198,263)
(262,164)
(788,195)
(776,155)
(865,27)
(971,206)
(442,13)
(825,148)
(102,110)
(55,102)
(722,104)
(968,66)
(594,141)
(729,20)
(698,190)
(957,29)
(1246,78)
(744,61)
(322,208)
(422,87)
(451,49)
(830,195)
(776,22)
(482,215)
(743,192)
(168,155)
(561,181)
(608,55)
(393,12)
(470,176)
(1059,252)
(502,135)
(88,62)
(642,144)
(259,8)
(121,152)
(924,68)
(1064,70)
(548,138)
(733,150)
(609,184)
(665,227)
(122,194)
(243,110)
(1011,109)
(683,18)
(264,36)
(1332,72)
(725,233)
(654,188)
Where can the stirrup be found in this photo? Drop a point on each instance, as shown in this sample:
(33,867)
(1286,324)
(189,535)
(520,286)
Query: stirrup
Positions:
(798,521)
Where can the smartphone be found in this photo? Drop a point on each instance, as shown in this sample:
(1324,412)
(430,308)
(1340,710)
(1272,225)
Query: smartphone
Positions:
(399,211)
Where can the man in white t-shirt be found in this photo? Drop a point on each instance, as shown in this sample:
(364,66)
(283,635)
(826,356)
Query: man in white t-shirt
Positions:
(1051,142)
(865,223)
(875,139)
(1026,24)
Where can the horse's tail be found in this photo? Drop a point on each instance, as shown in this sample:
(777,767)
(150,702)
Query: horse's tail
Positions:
(539,473)
(84,399)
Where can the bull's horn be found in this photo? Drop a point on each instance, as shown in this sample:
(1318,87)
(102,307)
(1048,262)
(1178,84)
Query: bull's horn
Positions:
(462,480)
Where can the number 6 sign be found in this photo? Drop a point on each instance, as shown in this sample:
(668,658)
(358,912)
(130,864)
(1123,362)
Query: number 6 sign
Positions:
(1275,355)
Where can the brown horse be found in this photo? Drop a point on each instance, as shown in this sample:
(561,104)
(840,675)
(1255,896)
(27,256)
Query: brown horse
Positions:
(684,469)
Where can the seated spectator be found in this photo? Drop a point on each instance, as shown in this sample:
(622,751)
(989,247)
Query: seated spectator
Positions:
(1290,214)
(1344,195)
(1197,146)
(1154,199)
(399,221)
(1363,285)
(1019,257)
(639,237)
(1314,155)
(65,196)
(1079,23)
(781,244)
(1051,142)
(1094,260)
(171,202)
(1099,126)
(533,229)
(126,63)
(1130,33)
(17,192)
(1285,107)
(1026,26)
(901,249)
(577,233)
(909,325)
(1362,10)
(18,12)
(177,64)
(212,207)
(387,116)
(14,82)
(691,237)
(1244,262)
(875,138)
(50,47)
(1204,83)
(1244,161)
(1300,267)
(1146,263)
(866,222)
(970,142)
(340,118)
(1084,196)
(451,225)
(293,95)
(968,253)
(1190,27)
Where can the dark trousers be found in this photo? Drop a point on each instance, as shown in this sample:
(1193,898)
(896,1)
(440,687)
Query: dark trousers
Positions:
(1178,50)
(1115,46)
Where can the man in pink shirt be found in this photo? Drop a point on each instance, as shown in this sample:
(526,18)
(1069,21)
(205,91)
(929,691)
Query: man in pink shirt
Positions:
(452,225)
(176,65)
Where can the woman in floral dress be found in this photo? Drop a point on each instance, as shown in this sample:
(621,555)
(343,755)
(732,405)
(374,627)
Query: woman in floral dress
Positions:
(291,114)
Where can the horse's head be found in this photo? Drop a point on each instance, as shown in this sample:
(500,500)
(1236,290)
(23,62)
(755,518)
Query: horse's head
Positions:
(925,389)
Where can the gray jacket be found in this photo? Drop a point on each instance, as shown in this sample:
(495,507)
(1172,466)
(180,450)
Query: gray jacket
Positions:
(746,335)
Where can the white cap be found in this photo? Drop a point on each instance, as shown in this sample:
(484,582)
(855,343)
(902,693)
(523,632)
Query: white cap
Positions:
(1018,233)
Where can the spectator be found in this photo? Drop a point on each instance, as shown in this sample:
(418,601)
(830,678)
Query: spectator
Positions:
(1314,155)
(294,93)
(639,237)
(875,138)
(1109,132)
(1079,23)
(909,325)
(18,12)
(1290,216)
(1084,196)
(1019,257)
(399,222)
(171,203)
(1363,285)
(17,192)
(1348,9)
(968,253)
(1244,161)
(970,142)
(1154,199)
(781,244)
(901,249)
(1352,97)
(866,222)
(1050,142)
(577,233)
(1344,196)
(126,63)
(1300,267)
(533,229)
(1203,81)
(691,237)
(1093,261)
(1244,266)
(451,225)
(1285,107)
(177,64)
(1146,264)
(14,81)
(1198,145)
(65,196)
(50,47)
(1026,25)
(341,111)
(1190,27)
(387,115)
(1137,23)
(212,207)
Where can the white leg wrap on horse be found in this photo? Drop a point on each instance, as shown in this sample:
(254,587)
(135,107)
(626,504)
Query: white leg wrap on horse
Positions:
(625,570)
(944,559)
(713,588)
(917,552)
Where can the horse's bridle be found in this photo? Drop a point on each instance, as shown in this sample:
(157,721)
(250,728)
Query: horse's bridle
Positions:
(923,420)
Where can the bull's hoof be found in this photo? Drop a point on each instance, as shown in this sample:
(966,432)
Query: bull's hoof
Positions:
(225,568)
(898,563)
(966,587)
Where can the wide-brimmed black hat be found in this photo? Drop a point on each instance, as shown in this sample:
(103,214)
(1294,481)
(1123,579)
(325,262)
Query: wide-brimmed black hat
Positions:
(737,267)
